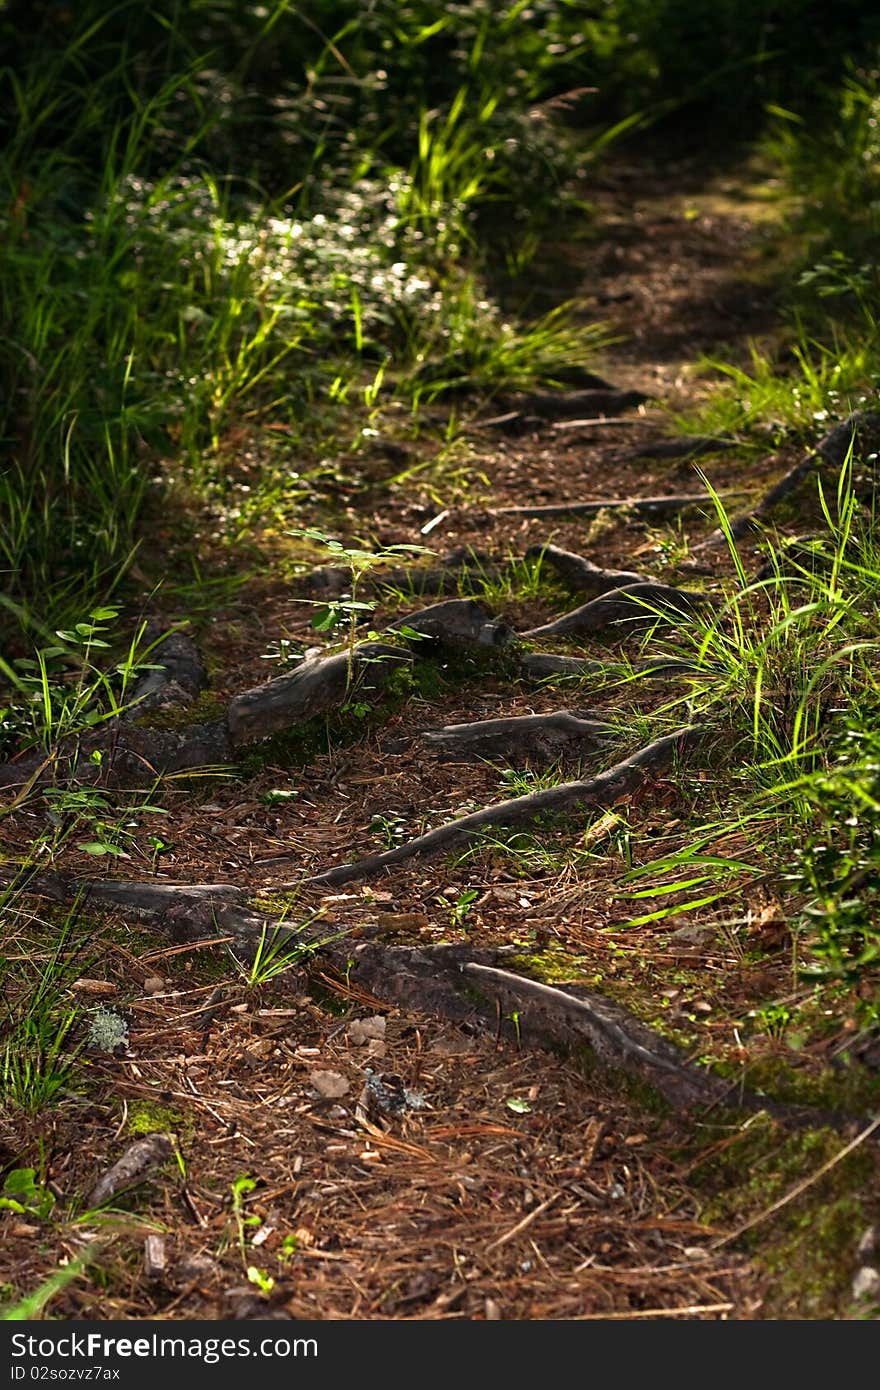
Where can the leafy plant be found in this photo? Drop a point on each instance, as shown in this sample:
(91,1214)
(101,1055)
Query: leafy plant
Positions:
(241,1189)
(22,1194)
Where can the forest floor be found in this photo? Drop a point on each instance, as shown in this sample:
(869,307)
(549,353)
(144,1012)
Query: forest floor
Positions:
(343,1157)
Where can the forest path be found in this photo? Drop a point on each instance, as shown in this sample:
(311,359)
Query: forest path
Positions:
(404,1164)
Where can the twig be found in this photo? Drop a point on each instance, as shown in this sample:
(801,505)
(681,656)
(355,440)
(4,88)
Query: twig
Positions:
(522,1225)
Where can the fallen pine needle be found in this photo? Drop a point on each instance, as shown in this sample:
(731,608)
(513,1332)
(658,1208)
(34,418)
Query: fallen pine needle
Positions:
(522,1225)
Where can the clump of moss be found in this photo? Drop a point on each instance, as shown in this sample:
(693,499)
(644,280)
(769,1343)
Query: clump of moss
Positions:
(202,710)
(149,1117)
(848,1088)
(806,1249)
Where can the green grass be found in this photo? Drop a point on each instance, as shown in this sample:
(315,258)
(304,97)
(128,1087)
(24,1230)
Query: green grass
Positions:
(794,701)
(39,1047)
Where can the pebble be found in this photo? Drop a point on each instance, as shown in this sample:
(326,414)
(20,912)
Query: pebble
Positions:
(866,1285)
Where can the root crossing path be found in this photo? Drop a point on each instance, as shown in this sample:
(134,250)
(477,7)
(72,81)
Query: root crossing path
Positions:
(391,970)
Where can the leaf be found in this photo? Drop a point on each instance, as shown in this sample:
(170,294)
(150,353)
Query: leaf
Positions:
(322,622)
(520,1107)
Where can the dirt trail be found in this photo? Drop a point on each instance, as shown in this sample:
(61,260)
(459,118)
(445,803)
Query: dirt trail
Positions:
(407,1166)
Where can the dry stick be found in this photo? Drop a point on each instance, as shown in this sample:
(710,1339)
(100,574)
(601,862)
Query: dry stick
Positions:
(685,1312)
(598,422)
(512,416)
(800,1186)
(603,791)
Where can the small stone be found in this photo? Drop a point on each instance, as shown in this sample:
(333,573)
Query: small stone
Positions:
(196,1267)
(362,1030)
(866,1285)
(154,1257)
(154,984)
(867,1243)
(330,1084)
(691,936)
(492,1310)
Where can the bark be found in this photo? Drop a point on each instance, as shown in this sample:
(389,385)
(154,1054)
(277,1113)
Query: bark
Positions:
(331,581)
(687,446)
(647,506)
(178,677)
(859,431)
(581,574)
(139,1159)
(321,683)
(567,405)
(457,621)
(458,982)
(520,737)
(544,665)
(635,604)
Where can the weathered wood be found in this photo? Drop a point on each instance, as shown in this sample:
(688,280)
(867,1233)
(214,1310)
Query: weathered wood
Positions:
(545,665)
(580,573)
(139,1159)
(458,981)
(457,620)
(319,684)
(601,791)
(686,446)
(178,678)
(521,736)
(646,506)
(634,604)
(615,1035)
(460,565)
(127,752)
(566,405)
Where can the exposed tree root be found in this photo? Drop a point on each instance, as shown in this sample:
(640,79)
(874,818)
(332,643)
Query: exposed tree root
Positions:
(686,446)
(567,405)
(545,665)
(648,506)
(581,574)
(602,791)
(331,581)
(178,676)
(859,431)
(457,620)
(319,684)
(458,982)
(634,604)
(522,736)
